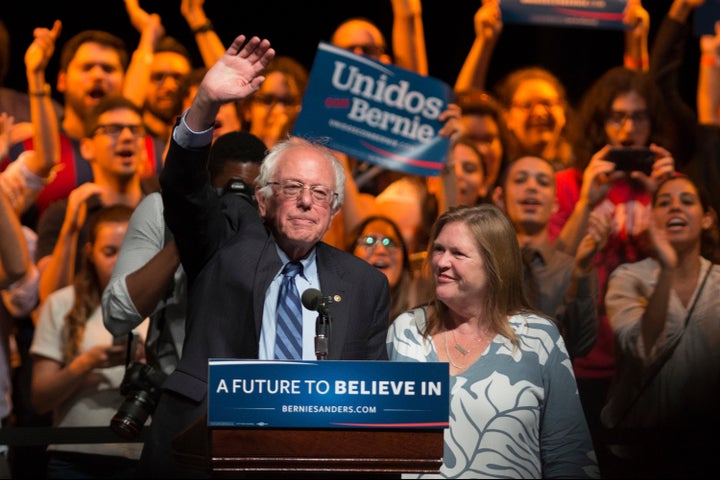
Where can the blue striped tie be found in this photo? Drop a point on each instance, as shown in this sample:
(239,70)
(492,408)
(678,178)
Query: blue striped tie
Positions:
(288,340)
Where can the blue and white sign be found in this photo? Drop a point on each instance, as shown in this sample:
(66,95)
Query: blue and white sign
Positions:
(375,112)
(705,17)
(600,14)
(327,394)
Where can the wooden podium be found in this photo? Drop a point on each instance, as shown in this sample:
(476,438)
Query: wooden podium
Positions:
(298,453)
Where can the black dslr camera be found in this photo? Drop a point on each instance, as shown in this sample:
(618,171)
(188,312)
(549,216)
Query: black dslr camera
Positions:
(141,387)
(238,186)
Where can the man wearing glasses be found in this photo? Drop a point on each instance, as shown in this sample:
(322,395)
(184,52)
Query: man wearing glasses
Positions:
(93,66)
(247,267)
(114,145)
(171,64)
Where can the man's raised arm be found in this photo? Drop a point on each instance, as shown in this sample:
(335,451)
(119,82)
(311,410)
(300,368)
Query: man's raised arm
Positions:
(192,209)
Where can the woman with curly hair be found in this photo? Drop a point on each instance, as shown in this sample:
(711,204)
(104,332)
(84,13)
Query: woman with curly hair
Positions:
(537,115)
(622,110)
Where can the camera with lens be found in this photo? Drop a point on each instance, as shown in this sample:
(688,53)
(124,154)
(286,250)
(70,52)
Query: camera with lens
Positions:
(238,186)
(141,388)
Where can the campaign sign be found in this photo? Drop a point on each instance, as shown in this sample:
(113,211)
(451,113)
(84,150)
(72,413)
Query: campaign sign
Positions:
(372,111)
(600,14)
(705,17)
(327,394)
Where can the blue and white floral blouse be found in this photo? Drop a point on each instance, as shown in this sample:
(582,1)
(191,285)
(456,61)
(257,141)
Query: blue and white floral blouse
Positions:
(515,412)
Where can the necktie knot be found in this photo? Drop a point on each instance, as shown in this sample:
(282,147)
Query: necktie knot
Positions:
(291,269)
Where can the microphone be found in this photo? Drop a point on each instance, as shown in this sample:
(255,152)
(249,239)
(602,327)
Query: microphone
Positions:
(314,300)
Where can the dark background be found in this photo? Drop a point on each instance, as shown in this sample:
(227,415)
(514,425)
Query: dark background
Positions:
(576,56)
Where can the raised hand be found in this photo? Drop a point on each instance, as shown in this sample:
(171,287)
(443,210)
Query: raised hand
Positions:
(598,230)
(637,18)
(41,49)
(138,16)
(665,253)
(235,76)
(12,133)
(452,126)
(710,44)
(193,13)
(488,20)
(77,207)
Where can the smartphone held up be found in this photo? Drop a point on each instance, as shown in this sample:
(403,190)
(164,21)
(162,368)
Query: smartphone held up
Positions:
(632,159)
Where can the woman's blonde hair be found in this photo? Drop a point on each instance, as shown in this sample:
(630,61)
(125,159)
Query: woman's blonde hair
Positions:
(496,241)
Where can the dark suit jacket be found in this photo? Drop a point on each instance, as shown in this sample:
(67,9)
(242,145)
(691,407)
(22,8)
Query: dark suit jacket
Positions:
(230,259)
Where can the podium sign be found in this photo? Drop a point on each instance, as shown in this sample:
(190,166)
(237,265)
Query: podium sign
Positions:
(327,394)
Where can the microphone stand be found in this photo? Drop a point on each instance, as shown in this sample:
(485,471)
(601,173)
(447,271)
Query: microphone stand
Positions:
(322,332)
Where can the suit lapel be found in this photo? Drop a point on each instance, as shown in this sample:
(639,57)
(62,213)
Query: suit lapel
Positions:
(268,266)
(331,273)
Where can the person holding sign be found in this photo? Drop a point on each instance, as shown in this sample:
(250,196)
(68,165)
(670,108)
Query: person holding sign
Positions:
(239,259)
(534,100)
(482,121)
(393,118)
(514,407)
(537,115)
(537,111)
(362,37)
(367,180)
(697,159)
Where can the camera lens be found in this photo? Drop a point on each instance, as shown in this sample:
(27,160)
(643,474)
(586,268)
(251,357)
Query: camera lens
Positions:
(141,387)
(132,414)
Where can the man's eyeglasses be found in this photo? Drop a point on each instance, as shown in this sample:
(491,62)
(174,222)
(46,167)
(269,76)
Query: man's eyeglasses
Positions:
(619,117)
(115,129)
(548,104)
(272,100)
(160,77)
(319,194)
(372,241)
(369,50)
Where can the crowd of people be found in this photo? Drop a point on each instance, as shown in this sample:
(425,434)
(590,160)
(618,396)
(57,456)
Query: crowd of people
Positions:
(164,214)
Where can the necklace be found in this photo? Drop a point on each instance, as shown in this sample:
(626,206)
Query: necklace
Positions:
(447,352)
(458,347)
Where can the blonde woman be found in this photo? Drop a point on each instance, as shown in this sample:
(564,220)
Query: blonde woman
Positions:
(514,407)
